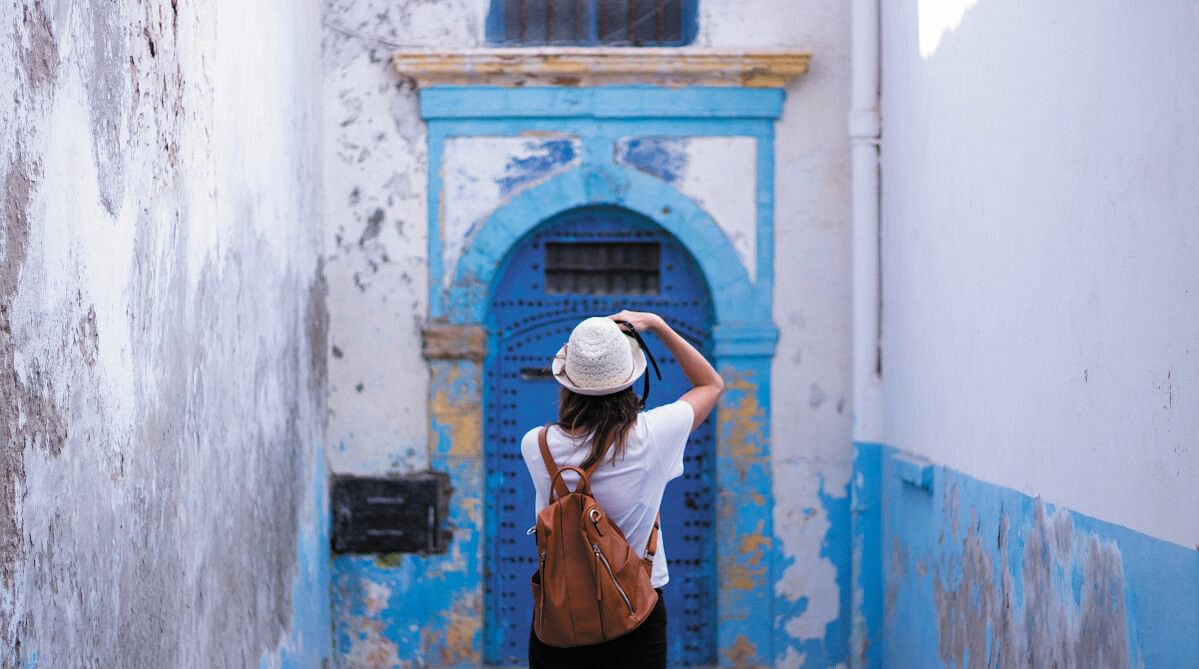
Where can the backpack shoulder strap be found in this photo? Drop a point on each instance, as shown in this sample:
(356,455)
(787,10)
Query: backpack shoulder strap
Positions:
(598,461)
(550,466)
(651,546)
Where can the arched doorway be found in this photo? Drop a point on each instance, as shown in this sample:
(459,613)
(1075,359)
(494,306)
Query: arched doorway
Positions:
(584,262)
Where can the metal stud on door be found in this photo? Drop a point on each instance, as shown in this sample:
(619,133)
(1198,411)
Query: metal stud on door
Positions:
(588,262)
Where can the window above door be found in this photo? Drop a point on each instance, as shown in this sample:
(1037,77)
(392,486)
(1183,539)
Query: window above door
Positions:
(627,23)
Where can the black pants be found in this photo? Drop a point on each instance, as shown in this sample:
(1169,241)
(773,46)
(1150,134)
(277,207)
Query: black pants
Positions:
(644,647)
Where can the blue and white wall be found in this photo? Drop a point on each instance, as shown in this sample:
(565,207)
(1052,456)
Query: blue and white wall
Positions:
(377,255)
(1039,483)
(1032,491)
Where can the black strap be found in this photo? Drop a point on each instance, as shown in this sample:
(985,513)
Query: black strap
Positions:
(631,331)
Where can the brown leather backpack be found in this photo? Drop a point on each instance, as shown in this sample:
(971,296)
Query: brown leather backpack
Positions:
(590,586)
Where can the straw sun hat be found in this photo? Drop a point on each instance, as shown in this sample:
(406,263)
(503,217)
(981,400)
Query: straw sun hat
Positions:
(599,359)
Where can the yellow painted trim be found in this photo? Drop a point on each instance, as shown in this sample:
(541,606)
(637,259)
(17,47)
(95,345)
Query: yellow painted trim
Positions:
(601,66)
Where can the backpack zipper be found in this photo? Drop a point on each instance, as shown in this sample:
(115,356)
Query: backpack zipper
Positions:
(599,554)
(541,604)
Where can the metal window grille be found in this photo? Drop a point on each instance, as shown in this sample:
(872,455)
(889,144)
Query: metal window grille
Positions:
(602,268)
(592,22)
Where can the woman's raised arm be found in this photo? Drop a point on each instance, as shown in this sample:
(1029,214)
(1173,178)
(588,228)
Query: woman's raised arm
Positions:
(705,380)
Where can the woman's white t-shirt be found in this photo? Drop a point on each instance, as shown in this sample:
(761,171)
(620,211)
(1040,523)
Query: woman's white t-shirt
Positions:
(630,489)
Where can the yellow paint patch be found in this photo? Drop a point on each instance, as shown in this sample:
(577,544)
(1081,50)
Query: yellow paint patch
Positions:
(602,66)
(472,507)
(457,404)
(460,637)
(369,648)
(455,645)
(742,653)
(742,421)
(380,653)
(746,571)
(755,545)
(737,576)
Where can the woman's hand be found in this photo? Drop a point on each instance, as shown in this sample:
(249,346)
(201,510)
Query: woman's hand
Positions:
(642,321)
(705,381)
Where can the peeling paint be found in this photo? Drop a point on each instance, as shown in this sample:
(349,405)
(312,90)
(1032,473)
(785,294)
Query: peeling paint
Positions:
(107,91)
(814,589)
(425,610)
(456,641)
(370,647)
(1011,581)
(481,173)
(742,654)
(421,611)
(535,163)
(720,173)
(27,416)
(742,421)
(982,624)
(375,240)
(663,157)
(746,546)
(456,409)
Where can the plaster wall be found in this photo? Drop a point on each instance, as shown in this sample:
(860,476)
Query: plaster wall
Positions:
(376,175)
(376,238)
(1040,246)
(810,442)
(162,336)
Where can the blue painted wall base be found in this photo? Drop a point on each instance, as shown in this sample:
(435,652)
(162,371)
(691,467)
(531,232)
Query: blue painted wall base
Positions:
(310,642)
(975,574)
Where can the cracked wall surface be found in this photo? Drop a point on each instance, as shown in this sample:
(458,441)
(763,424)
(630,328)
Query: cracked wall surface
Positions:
(162,335)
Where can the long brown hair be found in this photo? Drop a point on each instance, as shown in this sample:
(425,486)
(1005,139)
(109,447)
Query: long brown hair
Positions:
(606,418)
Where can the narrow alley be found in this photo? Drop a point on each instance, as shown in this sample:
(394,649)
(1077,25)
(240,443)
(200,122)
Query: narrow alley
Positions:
(281,284)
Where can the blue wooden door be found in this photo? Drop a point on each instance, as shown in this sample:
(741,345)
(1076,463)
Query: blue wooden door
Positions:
(592,261)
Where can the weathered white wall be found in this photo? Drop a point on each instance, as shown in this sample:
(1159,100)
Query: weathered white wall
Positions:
(718,173)
(1041,250)
(162,335)
(810,427)
(376,230)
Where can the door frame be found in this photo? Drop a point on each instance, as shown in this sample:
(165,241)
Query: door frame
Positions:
(744,336)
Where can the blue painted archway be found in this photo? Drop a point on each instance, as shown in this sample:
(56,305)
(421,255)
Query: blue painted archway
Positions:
(444,594)
(736,299)
(742,327)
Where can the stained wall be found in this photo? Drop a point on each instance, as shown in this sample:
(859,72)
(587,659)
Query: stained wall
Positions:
(162,336)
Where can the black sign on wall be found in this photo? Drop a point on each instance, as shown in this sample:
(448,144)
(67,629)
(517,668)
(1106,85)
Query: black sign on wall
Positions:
(397,514)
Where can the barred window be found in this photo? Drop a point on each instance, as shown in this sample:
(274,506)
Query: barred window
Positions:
(603,268)
(592,22)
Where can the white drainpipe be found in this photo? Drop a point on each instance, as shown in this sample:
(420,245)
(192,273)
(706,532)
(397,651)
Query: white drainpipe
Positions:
(864,132)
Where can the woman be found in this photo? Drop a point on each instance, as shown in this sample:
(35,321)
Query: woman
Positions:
(597,407)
